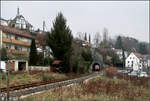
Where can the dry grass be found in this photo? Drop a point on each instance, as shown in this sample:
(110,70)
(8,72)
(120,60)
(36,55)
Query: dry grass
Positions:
(100,88)
(25,78)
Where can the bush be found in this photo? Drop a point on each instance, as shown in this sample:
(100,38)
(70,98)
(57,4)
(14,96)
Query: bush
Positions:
(87,55)
(81,70)
(110,72)
(76,66)
(47,77)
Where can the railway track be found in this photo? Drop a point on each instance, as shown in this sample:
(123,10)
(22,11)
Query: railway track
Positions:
(35,84)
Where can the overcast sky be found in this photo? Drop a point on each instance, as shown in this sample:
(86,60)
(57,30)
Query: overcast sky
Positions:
(127,18)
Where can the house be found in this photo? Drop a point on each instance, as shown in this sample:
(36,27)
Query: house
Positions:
(134,62)
(3,22)
(119,53)
(20,22)
(17,44)
(146,60)
(85,43)
(42,46)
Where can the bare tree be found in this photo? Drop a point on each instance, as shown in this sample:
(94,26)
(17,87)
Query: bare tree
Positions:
(80,35)
(105,35)
(97,39)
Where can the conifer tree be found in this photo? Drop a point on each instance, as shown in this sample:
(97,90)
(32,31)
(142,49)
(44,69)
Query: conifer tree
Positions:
(33,53)
(85,37)
(89,38)
(60,40)
(118,44)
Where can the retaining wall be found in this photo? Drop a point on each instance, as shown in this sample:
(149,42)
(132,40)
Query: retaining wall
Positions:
(44,68)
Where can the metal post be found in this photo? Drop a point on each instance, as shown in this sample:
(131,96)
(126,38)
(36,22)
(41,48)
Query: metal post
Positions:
(149,67)
(8,82)
(0,68)
(0,82)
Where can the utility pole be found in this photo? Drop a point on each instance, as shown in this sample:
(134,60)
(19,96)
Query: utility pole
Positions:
(8,82)
(0,64)
(0,82)
(149,67)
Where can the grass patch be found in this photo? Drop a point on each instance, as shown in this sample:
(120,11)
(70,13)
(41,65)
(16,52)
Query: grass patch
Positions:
(100,88)
(26,78)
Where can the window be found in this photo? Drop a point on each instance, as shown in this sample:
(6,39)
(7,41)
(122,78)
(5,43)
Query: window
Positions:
(132,62)
(8,46)
(20,38)
(28,40)
(130,57)
(28,49)
(132,65)
(18,48)
(8,36)
(128,61)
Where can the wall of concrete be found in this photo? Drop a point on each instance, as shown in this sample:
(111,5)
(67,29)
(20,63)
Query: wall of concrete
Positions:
(44,68)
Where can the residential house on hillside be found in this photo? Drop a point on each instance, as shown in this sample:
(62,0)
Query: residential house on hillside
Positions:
(146,60)
(17,44)
(19,22)
(43,48)
(3,22)
(134,62)
(119,53)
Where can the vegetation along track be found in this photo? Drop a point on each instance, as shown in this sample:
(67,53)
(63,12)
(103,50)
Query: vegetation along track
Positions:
(36,84)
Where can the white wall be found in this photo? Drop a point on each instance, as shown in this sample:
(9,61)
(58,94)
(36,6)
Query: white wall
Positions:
(44,68)
(132,59)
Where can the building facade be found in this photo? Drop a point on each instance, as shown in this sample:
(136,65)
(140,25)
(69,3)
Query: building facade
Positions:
(119,53)
(3,22)
(134,62)
(17,44)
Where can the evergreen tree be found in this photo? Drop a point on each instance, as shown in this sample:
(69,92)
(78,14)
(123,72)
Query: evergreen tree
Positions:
(142,48)
(85,37)
(89,38)
(123,57)
(3,53)
(33,53)
(60,40)
(118,44)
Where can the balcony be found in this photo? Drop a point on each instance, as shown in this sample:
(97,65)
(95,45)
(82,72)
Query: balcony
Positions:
(18,42)
(16,51)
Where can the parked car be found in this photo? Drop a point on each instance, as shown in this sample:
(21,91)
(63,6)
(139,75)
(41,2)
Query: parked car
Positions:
(133,73)
(143,74)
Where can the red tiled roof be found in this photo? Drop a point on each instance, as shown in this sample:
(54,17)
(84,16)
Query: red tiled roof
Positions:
(138,55)
(57,62)
(41,38)
(15,31)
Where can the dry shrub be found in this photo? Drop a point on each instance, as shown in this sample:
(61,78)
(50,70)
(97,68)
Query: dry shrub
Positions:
(110,72)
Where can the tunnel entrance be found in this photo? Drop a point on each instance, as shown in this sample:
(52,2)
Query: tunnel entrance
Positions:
(96,66)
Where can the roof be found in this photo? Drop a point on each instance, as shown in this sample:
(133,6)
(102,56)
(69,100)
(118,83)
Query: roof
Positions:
(19,17)
(41,38)
(3,19)
(138,55)
(56,62)
(15,31)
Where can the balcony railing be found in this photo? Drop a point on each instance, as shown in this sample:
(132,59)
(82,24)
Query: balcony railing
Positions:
(16,51)
(18,42)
